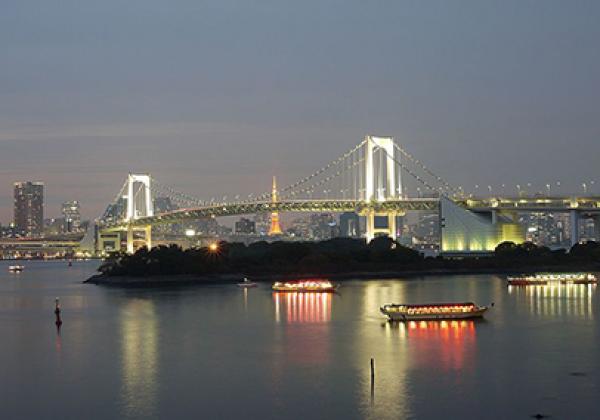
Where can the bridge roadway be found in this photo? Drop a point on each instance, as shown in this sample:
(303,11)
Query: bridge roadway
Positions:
(533,204)
(306,206)
(7,244)
(590,205)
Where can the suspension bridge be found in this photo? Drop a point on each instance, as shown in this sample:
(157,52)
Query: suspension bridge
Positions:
(377,179)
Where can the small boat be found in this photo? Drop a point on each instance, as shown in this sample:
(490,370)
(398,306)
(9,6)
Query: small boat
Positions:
(429,311)
(16,268)
(316,285)
(247,283)
(552,278)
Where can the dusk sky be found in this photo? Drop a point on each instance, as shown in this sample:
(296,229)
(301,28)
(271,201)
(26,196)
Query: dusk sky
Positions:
(214,98)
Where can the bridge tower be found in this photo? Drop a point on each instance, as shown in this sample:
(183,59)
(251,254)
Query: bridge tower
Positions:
(139,204)
(382,182)
(275,228)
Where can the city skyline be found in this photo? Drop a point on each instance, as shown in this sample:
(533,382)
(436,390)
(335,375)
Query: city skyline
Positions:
(455,84)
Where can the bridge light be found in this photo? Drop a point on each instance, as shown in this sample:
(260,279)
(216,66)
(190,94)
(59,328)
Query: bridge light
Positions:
(213,247)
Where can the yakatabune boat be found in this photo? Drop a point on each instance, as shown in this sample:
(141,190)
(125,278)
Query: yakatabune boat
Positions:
(305,286)
(16,268)
(550,278)
(403,312)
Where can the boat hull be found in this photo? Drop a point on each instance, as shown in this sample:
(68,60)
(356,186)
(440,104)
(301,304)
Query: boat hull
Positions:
(526,283)
(399,316)
(552,279)
(305,289)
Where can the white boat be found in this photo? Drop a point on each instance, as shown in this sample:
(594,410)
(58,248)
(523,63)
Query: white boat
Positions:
(16,268)
(314,285)
(247,284)
(552,278)
(430,311)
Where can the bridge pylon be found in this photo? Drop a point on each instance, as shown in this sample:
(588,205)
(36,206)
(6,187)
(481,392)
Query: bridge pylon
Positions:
(382,182)
(139,204)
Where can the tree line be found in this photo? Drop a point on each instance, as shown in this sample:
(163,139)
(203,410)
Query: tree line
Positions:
(339,255)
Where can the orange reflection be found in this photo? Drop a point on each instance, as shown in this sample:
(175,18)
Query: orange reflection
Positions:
(451,344)
(305,320)
(303,307)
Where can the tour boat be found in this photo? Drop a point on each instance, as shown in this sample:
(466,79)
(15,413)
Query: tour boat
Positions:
(315,285)
(552,278)
(16,268)
(247,284)
(429,311)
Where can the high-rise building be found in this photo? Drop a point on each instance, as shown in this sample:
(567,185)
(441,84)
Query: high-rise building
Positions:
(72,215)
(29,208)
(262,223)
(349,225)
(245,227)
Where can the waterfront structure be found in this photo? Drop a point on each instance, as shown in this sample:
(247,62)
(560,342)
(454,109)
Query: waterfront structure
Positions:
(275,228)
(71,215)
(29,208)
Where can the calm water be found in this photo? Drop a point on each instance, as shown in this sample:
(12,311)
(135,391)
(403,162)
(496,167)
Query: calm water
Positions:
(220,352)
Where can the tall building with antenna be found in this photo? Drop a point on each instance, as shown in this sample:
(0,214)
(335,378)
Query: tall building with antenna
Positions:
(275,228)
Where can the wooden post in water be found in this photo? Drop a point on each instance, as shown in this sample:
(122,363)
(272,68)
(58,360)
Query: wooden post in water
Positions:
(372,381)
(58,321)
(372,369)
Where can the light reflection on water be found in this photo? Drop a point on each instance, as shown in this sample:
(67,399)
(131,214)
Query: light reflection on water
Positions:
(555,300)
(222,352)
(302,308)
(139,346)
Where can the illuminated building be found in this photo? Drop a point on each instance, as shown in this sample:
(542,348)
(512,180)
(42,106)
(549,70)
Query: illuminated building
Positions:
(29,208)
(72,216)
(275,229)
(464,231)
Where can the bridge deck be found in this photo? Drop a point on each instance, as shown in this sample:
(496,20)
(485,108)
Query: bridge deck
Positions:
(525,204)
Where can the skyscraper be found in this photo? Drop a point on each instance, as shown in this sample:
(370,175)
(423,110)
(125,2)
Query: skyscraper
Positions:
(29,208)
(72,215)
(349,225)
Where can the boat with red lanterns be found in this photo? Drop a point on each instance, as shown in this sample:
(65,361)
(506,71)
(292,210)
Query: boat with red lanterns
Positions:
(310,285)
(541,279)
(432,311)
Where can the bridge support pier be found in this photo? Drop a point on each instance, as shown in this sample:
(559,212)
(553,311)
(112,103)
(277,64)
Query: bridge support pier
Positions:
(130,237)
(148,236)
(574,227)
(130,248)
(373,229)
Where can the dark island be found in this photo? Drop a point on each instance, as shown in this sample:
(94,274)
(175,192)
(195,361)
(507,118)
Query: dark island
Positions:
(336,258)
